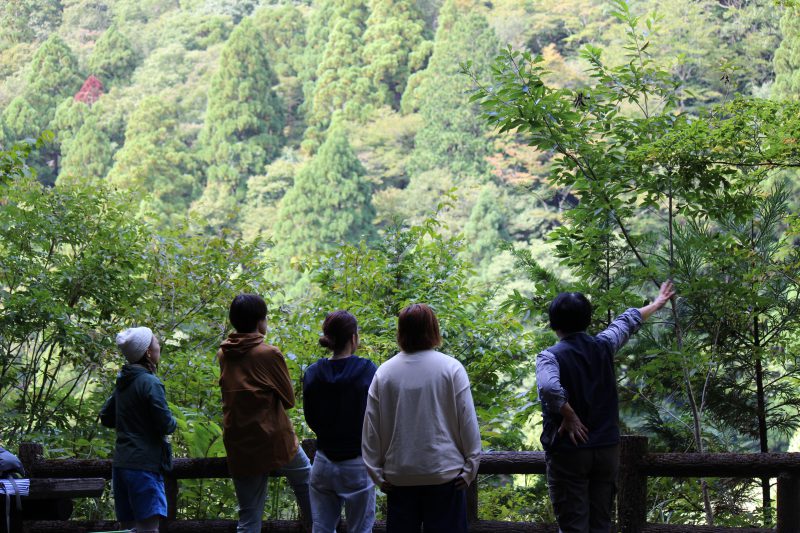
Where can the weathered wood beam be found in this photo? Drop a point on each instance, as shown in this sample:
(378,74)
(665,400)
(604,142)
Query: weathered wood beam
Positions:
(47,489)
(736,465)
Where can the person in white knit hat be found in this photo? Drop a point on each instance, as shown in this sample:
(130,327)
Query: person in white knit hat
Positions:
(138,411)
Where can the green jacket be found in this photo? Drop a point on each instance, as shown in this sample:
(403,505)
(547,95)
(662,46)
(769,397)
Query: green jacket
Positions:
(139,412)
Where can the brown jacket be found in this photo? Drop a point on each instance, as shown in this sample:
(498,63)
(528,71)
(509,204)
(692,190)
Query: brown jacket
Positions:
(256,391)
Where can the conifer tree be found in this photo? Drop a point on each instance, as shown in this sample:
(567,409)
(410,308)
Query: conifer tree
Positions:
(453,136)
(787,57)
(154,161)
(20,120)
(113,59)
(342,84)
(485,228)
(53,75)
(244,121)
(87,156)
(330,201)
(394,46)
(23,21)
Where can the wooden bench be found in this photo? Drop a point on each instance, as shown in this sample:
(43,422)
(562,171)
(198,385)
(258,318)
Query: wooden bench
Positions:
(51,499)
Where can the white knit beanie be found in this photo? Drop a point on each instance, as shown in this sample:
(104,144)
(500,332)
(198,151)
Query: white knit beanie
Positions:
(134,342)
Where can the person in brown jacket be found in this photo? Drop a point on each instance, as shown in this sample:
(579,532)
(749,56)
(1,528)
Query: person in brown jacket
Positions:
(257,433)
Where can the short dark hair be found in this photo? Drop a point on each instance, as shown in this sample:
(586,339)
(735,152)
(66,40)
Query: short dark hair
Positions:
(338,328)
(246,311)
(570,312)
(417,329)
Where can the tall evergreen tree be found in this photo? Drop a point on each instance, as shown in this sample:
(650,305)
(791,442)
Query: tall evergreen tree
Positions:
(23,21)
(87,156)
(113,58)
(53,74)
(394,46)
(453,135)
(154,160)
(485,228)
(243,128)
(330,201)
(787,57)
(20,119)
(342,84)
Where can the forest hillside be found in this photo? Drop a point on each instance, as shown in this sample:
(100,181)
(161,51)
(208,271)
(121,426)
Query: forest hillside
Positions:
(161,156)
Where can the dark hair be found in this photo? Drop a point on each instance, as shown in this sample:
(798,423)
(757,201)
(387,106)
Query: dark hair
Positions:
(338,328)
(247,310)
(570,312)
(417,329)
(148,363)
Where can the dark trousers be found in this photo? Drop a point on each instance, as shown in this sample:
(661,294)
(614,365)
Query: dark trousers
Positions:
(428,508)
(582,485)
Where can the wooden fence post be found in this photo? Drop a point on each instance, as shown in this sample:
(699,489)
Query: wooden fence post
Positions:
(788,503)
(632,484)
(472,501)
(30,454)
(171,488)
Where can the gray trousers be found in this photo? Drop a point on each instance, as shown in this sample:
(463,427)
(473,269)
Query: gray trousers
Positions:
(582,485)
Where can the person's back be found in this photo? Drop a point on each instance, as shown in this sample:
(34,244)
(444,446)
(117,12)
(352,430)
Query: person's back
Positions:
(139,412)
(256,392)
(257,433)
(334,400)
(419,392)
(421,440)
(141,422)
(586,370)
(578,390)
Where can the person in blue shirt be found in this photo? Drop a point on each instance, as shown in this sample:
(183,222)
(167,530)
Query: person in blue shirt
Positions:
(334,400)
(578,390)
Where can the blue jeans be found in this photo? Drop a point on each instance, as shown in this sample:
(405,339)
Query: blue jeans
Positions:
(251,492)
(334,483)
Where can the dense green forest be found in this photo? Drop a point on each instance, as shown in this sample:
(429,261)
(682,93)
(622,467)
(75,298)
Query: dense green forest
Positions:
(158,157)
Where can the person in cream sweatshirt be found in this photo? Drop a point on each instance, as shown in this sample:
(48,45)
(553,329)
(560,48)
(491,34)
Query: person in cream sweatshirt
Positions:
(421,442)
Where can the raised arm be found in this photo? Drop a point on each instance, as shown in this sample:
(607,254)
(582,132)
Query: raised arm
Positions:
(629,322)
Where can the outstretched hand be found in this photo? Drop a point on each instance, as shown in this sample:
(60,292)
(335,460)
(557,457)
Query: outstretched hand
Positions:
(665,293)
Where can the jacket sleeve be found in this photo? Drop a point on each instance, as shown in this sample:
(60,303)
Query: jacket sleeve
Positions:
(278,374)
(163,420)
(309,405)
(372,448)
(620,330)
(469,433)
(108,413)
(548,382)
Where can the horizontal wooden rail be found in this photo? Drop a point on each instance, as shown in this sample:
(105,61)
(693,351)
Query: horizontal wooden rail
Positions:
(636,465)
(285,526)
(48,489)
(735,465)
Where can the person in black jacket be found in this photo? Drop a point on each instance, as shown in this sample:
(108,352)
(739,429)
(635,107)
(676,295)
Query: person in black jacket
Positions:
(138,411)
(334,400)
(578,390)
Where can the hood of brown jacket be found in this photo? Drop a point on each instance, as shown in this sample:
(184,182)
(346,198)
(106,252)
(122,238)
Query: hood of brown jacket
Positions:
(238,344)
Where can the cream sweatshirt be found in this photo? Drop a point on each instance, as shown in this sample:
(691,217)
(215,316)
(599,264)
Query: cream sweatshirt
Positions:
(420,426)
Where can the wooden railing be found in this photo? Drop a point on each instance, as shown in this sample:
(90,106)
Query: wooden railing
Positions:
(636,465)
